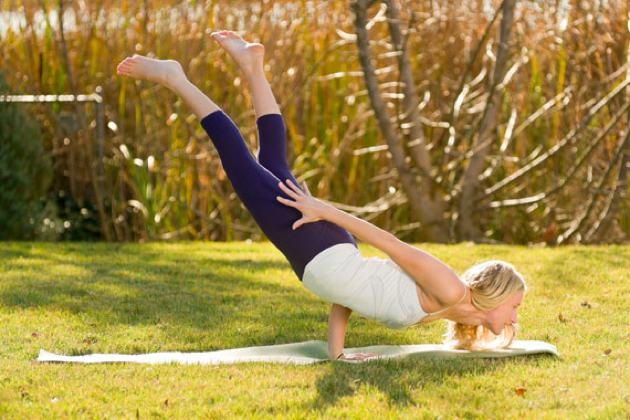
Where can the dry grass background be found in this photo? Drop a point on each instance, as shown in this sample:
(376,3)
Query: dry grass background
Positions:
(163,180)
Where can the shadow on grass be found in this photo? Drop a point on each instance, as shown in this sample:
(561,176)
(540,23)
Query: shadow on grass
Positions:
(397,380)
(212,292)
(572,266)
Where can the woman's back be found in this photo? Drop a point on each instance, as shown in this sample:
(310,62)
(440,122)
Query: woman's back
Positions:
(373,287)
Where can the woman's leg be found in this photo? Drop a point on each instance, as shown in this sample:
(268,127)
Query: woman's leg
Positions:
(271,128)
(168,73)
(249,56)
(256,186)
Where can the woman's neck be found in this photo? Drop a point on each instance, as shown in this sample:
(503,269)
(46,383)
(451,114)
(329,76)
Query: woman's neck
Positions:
(463,312)
(466,313)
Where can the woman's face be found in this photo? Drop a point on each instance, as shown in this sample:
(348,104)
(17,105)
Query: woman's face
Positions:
(504,314)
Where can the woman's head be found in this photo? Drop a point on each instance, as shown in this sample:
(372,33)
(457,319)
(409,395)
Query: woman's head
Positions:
(496,290)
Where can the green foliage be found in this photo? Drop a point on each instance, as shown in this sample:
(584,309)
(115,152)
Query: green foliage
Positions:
(25,171)
(76,218)
(129,298)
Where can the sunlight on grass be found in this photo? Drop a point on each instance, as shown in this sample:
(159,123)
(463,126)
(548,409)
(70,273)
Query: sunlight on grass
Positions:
(87,298)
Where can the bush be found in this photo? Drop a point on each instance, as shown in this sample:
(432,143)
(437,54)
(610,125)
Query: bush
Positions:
(25,172)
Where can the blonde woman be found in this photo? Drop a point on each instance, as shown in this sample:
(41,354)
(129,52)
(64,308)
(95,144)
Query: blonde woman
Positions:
(409,288)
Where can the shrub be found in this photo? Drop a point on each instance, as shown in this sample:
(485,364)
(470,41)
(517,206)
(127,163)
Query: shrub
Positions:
(25,172)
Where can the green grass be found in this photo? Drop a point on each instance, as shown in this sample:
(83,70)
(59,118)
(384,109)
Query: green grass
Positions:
(87,298)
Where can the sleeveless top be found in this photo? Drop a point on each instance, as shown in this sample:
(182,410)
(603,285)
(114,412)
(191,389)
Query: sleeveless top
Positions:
(373,287)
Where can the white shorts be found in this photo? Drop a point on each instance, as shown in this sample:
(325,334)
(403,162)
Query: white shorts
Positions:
(373,287)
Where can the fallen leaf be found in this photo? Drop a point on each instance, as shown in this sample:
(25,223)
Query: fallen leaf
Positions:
(561,318)
(607,351)
(354,384)
(89,340)
(519,391)
(585,304)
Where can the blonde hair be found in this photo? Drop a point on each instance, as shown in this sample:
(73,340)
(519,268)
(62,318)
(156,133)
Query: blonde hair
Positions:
(491,283)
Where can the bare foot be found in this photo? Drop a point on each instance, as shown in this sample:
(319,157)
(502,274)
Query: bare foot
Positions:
(248,55)
(164,72)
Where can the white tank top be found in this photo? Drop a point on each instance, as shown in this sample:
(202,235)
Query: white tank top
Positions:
(373,287)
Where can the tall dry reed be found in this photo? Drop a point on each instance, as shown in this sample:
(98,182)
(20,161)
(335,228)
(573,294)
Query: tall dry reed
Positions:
(164,180)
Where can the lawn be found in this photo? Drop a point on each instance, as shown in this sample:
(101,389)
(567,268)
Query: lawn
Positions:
(133,298)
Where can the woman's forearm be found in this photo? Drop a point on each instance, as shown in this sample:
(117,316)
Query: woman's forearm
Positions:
(337,324)
(363,230)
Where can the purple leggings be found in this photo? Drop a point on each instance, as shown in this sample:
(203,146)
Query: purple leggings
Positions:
(256,184)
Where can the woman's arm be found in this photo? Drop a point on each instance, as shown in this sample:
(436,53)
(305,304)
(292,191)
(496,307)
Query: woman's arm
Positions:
(337,323)
(432,275)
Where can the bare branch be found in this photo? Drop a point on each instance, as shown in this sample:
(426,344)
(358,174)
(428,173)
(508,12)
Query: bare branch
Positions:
(541,196)
(473,57)
(410,95)
(469,181)
(507,139)
(609,208)
(370,149)
(366,4)
(379,17)
(577,225)
(377,206)
(427,207)
(567,140)
(378,104)
(562,97)
(612,206)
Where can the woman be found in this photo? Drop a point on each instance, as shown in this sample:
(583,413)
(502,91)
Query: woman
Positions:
(316,238)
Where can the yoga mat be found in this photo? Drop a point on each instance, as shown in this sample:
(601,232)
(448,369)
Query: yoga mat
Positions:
(304,353)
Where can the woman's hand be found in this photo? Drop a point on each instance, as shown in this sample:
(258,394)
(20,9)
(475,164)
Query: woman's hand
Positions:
(311,208)
(357,357)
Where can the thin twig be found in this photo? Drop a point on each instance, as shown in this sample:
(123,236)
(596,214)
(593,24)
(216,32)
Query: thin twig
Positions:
(569,176)
(469,182)
(577,224)
(410,96)
(469,66)
(566,141)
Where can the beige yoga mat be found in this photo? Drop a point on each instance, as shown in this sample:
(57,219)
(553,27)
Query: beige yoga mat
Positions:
(304,353)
